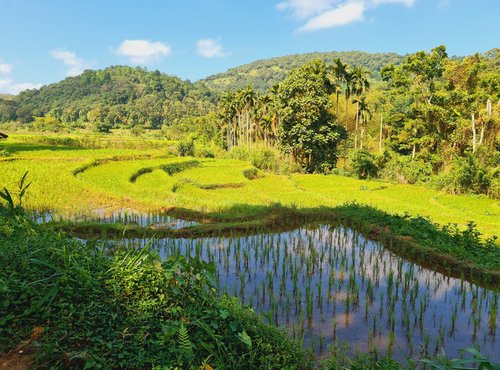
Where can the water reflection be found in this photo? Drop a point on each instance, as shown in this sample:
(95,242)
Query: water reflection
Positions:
(329,283)
(122,216)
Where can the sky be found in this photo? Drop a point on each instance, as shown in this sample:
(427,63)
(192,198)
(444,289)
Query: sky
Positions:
(44,41)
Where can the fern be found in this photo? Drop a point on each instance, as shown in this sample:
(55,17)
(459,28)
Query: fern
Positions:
(185,345)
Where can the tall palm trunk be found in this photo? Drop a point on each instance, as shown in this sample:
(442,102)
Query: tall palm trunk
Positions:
(474,134)
(338,104)
(381,132)
(357,124)
(362,135)
(346,108)
(248,128)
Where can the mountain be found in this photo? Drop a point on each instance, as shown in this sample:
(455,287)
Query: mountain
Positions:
(117,96)
(265,73)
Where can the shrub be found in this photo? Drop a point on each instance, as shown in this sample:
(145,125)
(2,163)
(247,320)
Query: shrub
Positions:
(185,148)
(137,130)
(205,153)
(466,176)
(404,169)
(252,173)
(363,164)
(265,159)
(4,153)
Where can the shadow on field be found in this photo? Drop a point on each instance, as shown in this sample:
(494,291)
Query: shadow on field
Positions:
(27,147)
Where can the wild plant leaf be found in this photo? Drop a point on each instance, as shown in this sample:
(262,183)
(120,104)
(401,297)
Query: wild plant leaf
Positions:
(245,338)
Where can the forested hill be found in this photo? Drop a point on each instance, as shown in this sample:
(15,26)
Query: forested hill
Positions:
(117,95)
(263,74)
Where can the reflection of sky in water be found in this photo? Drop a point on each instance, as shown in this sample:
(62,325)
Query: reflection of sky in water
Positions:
(124,216)
(357,291)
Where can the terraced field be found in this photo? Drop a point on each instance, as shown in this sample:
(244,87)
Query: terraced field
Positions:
(71,180)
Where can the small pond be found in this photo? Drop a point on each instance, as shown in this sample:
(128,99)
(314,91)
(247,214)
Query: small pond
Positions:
(329,283)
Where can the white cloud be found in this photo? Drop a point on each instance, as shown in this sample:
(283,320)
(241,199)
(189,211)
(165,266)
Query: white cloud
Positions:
(381,2)
(321,14)
(143,51)
(342,15)
(8,87)
(5,68)
(209,48)
(75,65)
(303,9)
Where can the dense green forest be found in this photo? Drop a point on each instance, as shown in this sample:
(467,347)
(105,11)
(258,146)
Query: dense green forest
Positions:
(115,96)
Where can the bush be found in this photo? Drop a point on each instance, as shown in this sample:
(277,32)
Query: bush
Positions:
(185,148)
(204,153)
(137,130)
(265,159)
(252,173)
(4,153)
(363,163)
(102,127)
(404,169)
(466,176)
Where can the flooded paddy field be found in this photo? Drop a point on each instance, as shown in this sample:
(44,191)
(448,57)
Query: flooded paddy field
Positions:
(122,216)
(327,284)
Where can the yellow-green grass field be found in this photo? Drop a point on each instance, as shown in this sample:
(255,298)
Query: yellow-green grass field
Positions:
(215,186)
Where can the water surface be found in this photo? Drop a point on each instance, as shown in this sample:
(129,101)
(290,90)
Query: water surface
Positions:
(327,283)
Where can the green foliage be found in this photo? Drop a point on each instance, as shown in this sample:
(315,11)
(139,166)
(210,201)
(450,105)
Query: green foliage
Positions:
(112,97)
(5,153)
(251,173)
(477,361)
(263,74)
(339,359)
(185,148)
(13,206)
(307,129)
(403,169)
(127,310)
(47,123)
(462,245)
(466,175)
(265,159)
(363,164)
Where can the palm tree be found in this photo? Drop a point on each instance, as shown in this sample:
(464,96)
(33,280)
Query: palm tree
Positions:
(339,73)
(227,113)
(364,114)
(360,85)
(347,93)
(248,98)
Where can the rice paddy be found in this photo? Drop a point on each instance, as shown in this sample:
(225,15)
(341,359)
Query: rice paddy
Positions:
(328,283)
(325,284)
(71,181)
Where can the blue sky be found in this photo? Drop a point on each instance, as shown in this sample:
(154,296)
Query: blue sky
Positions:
(43,41)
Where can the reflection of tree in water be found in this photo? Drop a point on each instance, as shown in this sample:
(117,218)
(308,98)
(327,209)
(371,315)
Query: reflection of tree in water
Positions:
(327,284)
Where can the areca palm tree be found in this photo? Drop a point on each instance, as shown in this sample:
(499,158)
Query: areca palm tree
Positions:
(227,112)
(347,93)
(360,85)
(364,115)
(248,98)
(339,73)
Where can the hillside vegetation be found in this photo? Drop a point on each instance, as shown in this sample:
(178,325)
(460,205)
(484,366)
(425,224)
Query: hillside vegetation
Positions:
(265,73)
(115,96)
